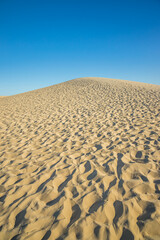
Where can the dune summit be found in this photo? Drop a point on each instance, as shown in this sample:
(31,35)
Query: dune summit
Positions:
(80,160)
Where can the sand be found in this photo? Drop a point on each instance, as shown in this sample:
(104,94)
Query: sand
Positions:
(80,160)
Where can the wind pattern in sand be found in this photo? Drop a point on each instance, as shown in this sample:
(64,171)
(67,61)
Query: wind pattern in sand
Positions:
(80,160)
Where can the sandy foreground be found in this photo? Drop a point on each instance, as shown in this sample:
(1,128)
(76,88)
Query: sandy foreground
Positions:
(80,160)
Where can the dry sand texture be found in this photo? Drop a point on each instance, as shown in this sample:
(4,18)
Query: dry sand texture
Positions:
(80,160)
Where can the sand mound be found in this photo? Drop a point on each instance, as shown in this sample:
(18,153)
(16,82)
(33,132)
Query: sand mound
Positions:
(80,160)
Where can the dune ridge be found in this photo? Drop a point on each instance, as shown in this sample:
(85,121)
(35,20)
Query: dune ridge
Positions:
(80,160)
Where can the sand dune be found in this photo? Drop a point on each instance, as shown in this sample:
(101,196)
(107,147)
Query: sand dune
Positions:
(80,160)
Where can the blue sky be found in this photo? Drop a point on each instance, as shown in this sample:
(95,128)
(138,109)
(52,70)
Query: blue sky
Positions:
(46,42)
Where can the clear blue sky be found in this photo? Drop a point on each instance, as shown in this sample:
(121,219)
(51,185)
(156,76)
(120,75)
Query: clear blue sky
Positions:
(46,42)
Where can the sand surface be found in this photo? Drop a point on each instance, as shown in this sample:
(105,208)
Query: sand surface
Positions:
(80,160)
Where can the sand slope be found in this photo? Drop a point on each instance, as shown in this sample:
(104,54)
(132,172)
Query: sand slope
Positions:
(80,160)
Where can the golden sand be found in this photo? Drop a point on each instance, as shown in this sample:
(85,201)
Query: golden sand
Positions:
(80,160)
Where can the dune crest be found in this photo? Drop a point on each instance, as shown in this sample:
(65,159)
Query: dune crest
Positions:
(80,160)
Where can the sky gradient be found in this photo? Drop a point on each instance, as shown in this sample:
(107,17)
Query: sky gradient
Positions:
(47,42)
